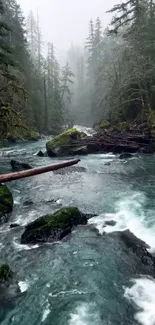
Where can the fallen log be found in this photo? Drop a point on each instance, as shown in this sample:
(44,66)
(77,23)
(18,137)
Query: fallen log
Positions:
(36,171)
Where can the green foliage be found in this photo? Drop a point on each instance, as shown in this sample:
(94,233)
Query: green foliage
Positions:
(33,90)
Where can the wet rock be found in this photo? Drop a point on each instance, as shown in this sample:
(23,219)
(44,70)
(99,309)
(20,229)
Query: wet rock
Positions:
(11,139)
(9,287)
(125,155)
(28,202)
(63,144)
(102,125)
(80,151)
(53,227)
(110,223)
(14,225)
(6,202)
(107,164)
(138,247)
(40,154)
(17,165)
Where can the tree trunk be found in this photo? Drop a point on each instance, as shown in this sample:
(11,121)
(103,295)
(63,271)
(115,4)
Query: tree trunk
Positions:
(36,171)
(46,108)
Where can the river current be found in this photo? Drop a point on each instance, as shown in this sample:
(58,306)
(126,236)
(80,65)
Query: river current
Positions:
(84,279)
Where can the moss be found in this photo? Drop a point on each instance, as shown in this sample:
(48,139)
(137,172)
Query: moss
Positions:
(5,273)
(122,126)
(64,138)
(103,124)
(20,133)
(6,200)
(62,216)
(53,227)
(57,220)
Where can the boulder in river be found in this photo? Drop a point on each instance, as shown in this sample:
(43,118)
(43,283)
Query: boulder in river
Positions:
(6,201)
(53,227)
(40,154)
(102,125)
(14,225)
(138,247)
(9,287)
(65,143)
(18,165)
(125,155)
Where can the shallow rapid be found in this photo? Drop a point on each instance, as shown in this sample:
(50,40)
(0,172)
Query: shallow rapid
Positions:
(86,279)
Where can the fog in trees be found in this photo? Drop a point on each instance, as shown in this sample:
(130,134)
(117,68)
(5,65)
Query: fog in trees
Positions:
(107,74)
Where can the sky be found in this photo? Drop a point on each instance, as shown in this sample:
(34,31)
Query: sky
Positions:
(66,21)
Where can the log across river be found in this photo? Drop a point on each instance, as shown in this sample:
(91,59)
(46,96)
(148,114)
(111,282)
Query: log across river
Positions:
(36,171)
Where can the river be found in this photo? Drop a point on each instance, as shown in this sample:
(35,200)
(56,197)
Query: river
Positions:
(84,279)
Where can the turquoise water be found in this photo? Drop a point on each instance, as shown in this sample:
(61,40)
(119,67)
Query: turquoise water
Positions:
(87,279)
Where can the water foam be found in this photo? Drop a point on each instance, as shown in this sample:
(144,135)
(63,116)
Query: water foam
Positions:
(129,215)
(84,315)
(142,293)
(22,247)
(46,312)
(23,285)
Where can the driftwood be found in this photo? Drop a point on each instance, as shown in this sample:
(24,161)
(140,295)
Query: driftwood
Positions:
(36,171)
(117,141)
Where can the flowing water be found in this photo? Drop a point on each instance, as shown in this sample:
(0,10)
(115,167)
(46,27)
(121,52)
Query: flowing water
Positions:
(85,279)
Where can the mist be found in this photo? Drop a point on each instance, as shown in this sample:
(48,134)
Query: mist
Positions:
(63,22)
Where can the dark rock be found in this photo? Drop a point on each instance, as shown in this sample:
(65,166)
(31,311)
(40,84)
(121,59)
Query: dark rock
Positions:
(6,202)
(131,240)
(5,273)
(17,166)
(9,287)
(107,164)
(33,139)
(53,227)
(125,156)
(138,247)
(11,139)
(14,225)
(40,154)
(28,202)
(110,223)
(79,151)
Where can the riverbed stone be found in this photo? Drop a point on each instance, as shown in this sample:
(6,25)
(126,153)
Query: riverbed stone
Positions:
(102,125)
(125,155)
(53,227)
(40,153)
(63,144)
(9,287)
(6,201)
(19,165)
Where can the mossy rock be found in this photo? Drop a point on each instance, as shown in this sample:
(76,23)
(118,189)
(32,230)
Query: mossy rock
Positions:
(6,200)
(122,126)
(102,125)
(60,144)
(21,133)
(53,227)
(5,273)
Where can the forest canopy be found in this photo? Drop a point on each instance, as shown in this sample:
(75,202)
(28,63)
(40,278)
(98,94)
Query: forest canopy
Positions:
(112,76)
